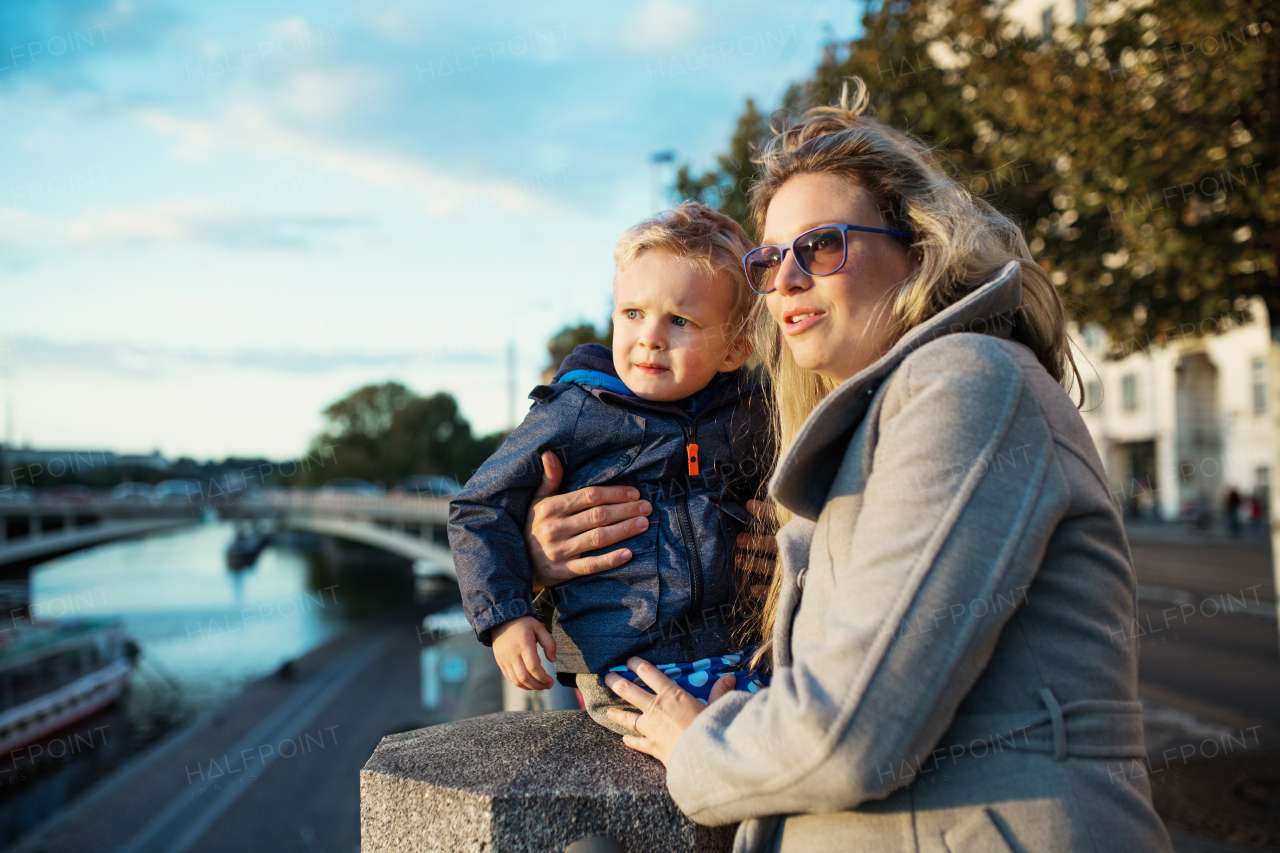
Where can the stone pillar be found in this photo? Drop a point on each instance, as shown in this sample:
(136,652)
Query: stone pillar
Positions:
(532,781)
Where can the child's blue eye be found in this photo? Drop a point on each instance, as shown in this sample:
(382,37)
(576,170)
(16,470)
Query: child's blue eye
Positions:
(632,314)
(682,322)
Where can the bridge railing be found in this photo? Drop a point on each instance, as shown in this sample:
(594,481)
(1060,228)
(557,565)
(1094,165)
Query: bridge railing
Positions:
(412,509)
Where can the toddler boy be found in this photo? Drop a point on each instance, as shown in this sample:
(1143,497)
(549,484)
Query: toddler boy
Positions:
(670,412)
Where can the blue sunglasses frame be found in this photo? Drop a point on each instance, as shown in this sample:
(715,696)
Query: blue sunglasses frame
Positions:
(844,249)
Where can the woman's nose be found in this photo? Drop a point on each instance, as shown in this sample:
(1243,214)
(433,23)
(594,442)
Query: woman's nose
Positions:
(790,278)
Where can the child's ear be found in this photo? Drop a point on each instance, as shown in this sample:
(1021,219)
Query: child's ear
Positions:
(737,354)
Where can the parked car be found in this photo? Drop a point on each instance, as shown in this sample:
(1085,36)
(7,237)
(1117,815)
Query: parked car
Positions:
(177,492)
(428,486)
(134,494)
(71,494)
(351,486)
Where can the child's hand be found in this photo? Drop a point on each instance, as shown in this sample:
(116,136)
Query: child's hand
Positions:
(515,647)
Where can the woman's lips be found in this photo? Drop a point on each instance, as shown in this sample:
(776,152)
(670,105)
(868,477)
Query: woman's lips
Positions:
(652,369)
(797,322)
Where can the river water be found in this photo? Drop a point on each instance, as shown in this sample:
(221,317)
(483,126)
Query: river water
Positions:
(203,631)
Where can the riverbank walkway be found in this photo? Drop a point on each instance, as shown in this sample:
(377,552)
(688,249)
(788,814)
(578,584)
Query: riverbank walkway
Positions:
(277,766)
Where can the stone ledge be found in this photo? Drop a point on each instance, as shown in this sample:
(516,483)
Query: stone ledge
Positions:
(532,781)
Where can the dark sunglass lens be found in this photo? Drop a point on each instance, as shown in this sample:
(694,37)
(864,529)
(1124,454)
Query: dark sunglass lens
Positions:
(762,264)
(821,252)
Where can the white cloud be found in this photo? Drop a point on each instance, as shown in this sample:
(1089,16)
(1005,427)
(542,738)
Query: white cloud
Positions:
(662,25)
(172,222)
(330,95)
(252,129)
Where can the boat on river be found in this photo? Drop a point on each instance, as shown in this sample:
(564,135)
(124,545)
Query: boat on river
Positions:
(56,672)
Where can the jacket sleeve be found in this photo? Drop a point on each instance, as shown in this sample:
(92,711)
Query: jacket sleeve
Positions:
(486,520)
(853,715)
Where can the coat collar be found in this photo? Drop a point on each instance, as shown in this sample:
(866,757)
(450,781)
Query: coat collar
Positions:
(806,472)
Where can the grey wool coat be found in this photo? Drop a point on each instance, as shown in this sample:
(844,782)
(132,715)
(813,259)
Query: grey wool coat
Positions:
(951,668)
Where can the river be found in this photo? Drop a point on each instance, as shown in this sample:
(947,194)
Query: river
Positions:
(203,632)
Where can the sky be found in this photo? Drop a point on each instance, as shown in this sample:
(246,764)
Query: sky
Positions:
(215,219)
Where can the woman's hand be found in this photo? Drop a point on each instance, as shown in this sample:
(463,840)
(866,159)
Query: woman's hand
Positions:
(560,527)
(665,713)
(757,553)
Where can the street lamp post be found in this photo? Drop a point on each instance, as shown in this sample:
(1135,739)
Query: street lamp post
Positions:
(656,160)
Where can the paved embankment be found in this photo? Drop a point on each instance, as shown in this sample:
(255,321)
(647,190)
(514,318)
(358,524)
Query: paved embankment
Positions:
(277,767)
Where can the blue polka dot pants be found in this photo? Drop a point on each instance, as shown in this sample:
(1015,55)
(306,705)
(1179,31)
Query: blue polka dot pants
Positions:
(700,676)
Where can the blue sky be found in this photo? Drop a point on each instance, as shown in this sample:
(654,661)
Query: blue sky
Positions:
(217,218)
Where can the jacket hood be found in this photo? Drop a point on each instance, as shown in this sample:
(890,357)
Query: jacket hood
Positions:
(805,474)
(595,357)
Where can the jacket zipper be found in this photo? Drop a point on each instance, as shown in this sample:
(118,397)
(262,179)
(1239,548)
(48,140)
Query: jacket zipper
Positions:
(691,545)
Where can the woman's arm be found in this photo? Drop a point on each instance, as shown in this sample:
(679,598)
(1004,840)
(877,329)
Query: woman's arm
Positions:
(937,529)
(558,528)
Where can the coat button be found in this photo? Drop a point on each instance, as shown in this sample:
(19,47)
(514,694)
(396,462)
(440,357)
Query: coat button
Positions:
(624,459)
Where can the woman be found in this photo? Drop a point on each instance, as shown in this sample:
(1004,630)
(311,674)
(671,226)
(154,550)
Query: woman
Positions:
(951,664)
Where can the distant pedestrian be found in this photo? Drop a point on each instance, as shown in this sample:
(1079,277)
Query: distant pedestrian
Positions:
(1233,511)
(1258,513)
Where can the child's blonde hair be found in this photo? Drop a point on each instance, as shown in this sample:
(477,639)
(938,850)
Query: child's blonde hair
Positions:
(702,236)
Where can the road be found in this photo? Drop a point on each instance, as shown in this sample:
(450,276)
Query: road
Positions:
(1207,626)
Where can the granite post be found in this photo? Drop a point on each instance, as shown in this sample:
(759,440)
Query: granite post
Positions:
(532,781)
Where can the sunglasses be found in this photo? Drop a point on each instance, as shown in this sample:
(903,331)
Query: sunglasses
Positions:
(819,251)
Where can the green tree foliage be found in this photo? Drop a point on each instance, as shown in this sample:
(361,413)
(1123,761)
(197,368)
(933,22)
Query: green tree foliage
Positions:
(384,433)
(1137,150)
(567,339)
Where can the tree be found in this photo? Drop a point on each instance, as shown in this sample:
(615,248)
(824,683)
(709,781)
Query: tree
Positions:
(430,436)
(563,342)
(385,433)
(1134,149)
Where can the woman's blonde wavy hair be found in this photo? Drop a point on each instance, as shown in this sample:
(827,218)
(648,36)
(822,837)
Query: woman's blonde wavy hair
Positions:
(959,241)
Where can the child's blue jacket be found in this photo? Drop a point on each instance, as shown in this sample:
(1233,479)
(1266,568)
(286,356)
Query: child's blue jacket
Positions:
(674,600)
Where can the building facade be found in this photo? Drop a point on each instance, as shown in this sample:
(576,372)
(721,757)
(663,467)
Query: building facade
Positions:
(1183,420)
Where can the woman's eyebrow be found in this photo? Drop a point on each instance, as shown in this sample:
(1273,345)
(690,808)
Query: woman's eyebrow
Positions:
(808,226)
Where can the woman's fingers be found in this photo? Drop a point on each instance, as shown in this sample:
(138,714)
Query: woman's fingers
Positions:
(723,686)
(764,512)
(600,563)
(552,474)
(760,542)
(603,537)
(629,691)
(584,522)
(592,496)
(642,744)
(627,719)
(654,678)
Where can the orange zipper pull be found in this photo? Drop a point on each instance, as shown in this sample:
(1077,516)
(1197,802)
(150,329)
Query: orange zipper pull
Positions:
(692,450)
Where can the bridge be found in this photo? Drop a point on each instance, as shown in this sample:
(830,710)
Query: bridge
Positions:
(408,526)
(411,526)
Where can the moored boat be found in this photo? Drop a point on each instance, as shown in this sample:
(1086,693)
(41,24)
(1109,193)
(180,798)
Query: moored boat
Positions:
(56,672)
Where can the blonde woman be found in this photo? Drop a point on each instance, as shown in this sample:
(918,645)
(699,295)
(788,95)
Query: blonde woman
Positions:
(950,665)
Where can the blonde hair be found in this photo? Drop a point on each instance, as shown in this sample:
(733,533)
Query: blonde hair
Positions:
(958,242)
(704,237)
